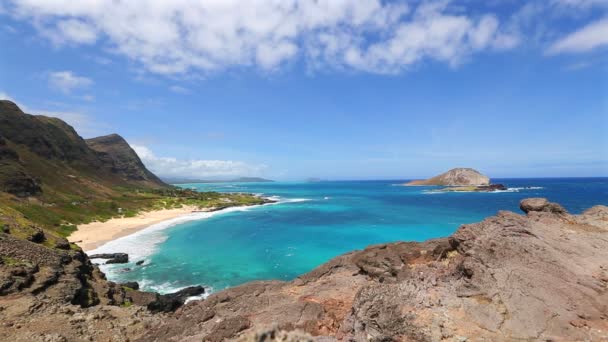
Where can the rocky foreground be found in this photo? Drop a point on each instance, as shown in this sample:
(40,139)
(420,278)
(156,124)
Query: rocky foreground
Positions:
(538,276)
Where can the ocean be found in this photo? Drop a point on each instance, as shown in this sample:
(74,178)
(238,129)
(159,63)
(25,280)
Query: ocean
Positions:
(314,222)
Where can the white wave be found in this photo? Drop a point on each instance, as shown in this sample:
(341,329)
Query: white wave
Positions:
(171,287)
(143,243)
(295,200)
(514,189)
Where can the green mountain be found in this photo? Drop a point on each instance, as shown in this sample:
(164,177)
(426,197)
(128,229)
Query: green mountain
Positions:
(44,156)
(51,179)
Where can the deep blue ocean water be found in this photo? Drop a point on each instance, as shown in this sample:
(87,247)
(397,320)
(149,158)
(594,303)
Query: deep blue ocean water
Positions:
(315,222)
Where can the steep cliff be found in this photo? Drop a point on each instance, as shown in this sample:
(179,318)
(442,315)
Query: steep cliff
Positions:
(120,159)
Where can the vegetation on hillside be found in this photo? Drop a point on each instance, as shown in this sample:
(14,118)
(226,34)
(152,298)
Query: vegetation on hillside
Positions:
(52,180)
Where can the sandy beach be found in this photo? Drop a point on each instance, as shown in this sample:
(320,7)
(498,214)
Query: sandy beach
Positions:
(92,235)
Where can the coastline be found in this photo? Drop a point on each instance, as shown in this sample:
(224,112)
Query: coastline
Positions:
(93,235)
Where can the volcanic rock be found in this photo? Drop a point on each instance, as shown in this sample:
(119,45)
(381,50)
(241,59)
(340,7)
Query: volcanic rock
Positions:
(541,205)
(114,258)
(542,276)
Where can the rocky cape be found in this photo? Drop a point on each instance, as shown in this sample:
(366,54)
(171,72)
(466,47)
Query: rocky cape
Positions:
(455,177)
(538,276)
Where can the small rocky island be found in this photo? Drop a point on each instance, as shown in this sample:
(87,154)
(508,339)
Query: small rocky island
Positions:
(460,179)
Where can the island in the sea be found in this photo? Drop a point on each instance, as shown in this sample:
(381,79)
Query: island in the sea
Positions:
(460,179)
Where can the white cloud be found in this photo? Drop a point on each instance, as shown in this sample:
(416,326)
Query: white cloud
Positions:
(181,36)
(179,90)
(588,38)
(66,81)
(172,167)
(77,31)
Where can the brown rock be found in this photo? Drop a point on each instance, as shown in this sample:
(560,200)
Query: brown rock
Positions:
(541,205)
(506,278)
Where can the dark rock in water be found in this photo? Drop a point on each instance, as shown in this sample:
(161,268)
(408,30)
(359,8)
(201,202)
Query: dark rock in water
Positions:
(491,187)
(115,258)
(131,284)
(38,236)
(126,270)
(172,301)
(140,262)
(541,205)
(62,243)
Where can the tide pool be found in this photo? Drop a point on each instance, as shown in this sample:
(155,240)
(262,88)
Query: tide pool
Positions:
(314,222)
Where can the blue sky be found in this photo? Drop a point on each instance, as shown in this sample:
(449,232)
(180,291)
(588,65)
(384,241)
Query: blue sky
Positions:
(340,90)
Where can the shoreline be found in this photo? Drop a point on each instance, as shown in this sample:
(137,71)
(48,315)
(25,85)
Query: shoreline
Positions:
(93,235)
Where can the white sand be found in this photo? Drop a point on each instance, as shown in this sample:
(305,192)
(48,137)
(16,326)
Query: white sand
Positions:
(92,235)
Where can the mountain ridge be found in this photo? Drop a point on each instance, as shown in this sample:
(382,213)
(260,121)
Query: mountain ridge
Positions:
(48,153)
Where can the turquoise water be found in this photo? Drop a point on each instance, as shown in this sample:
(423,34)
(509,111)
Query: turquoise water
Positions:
(315,222)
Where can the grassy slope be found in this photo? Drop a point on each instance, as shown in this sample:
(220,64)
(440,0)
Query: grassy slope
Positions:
(79,185)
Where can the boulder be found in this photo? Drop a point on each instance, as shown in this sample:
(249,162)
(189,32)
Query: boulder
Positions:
(131,284)
(62,243)
(114,258)
(140,262)
(541,205)
(38,236)
(172,301)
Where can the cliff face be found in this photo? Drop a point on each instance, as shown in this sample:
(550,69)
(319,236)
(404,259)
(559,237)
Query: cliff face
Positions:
(456,177)
(542,276)
(40,154)
(122,160)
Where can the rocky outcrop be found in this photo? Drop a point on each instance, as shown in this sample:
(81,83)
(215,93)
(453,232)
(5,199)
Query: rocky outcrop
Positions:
(172,301)
(456,177)
(131,285)
(113,258)
(542,276)
(541,205)
(58,295)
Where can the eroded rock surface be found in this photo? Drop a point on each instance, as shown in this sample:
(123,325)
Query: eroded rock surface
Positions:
(540,276)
